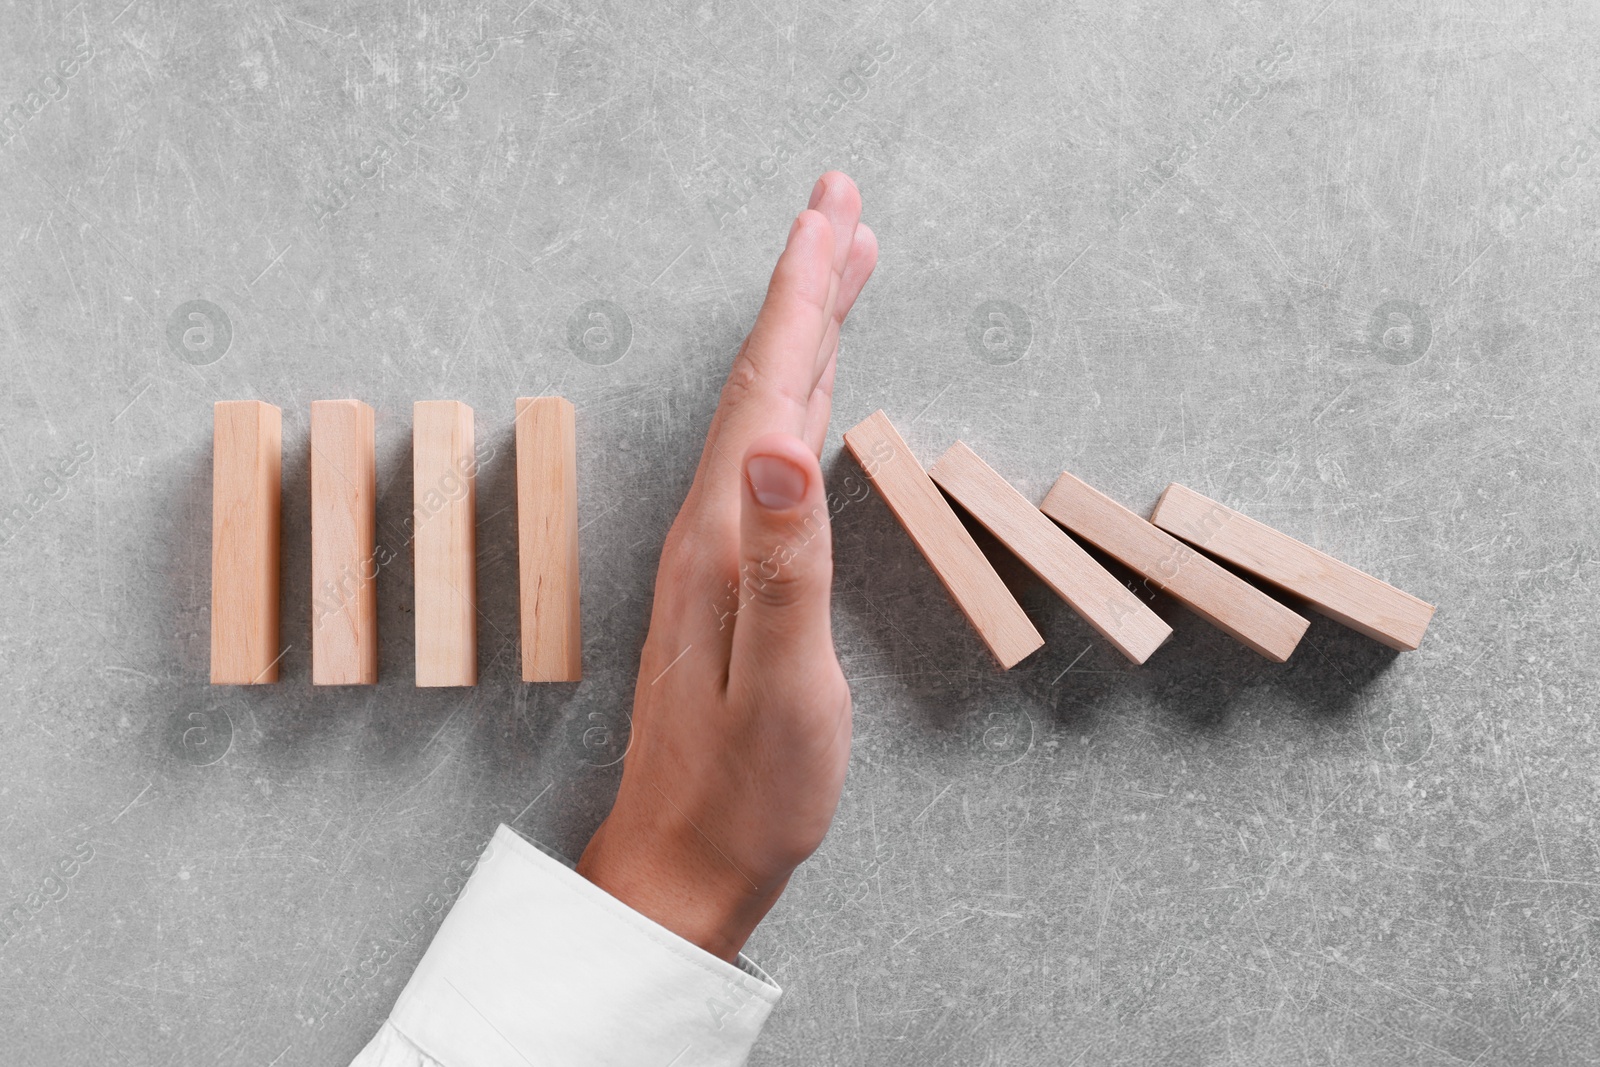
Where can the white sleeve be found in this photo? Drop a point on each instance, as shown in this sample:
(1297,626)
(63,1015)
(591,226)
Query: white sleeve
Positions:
(537,965)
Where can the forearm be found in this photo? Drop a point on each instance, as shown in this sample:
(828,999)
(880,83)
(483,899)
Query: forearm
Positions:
(680,882)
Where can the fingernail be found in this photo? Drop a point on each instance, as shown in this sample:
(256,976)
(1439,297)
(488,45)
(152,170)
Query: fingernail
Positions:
(778,483)
(816,193)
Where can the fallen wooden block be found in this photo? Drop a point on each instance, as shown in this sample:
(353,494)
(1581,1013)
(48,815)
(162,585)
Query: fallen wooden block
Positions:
(344,499)
(960,565)
(1091,590)
(1225,600)
(547,539)
(1335,589)
(246,521)
(444,472)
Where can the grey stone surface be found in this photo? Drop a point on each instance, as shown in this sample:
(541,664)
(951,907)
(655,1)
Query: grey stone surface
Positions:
(1330,261)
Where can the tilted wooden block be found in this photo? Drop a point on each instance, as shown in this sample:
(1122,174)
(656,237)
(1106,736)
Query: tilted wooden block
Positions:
(444,472)
(344,500)
(948,547)
(1335,589)
(1092,591)
(547,539)
(1225,600)
(246,520)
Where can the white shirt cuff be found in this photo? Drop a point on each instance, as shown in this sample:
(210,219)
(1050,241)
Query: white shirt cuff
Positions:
(535,964)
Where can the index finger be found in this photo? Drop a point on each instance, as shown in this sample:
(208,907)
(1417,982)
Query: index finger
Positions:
(769,387)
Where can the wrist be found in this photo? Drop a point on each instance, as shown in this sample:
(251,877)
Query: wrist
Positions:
(702,899)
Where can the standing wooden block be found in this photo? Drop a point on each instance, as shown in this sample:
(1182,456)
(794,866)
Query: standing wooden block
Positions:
(344,500)
(246,518)
(444,474)
(1336,589)
(1105,603)
(547,539)
(1225,600)
(949,548)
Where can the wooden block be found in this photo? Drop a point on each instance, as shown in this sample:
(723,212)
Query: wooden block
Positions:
(246,521)
(1335,589)
(344,500)
(444,473)
(547,539)
(950,550)
(1105,603)
(1225,600)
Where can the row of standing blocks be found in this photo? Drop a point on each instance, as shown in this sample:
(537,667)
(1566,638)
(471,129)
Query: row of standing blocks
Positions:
(246,522)
(1158,550)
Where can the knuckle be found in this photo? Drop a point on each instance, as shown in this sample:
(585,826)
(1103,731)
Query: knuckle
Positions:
(746,382)
(686,561)
(782,589)
(673,548)
(785,572)
(744,379)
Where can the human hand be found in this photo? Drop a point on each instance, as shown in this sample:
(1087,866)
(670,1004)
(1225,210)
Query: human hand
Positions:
(741,713)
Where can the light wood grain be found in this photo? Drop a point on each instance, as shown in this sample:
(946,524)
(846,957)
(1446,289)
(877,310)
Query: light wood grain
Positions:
(246,523)
(344,500)
(1341,592)
(911,495)
(1225,600)
(547,539)
(1092,591)
(444,473)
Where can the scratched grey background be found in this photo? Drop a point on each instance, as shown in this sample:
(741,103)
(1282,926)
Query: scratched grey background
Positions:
(1332,262)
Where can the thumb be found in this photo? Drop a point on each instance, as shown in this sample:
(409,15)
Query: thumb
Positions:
(785,562)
